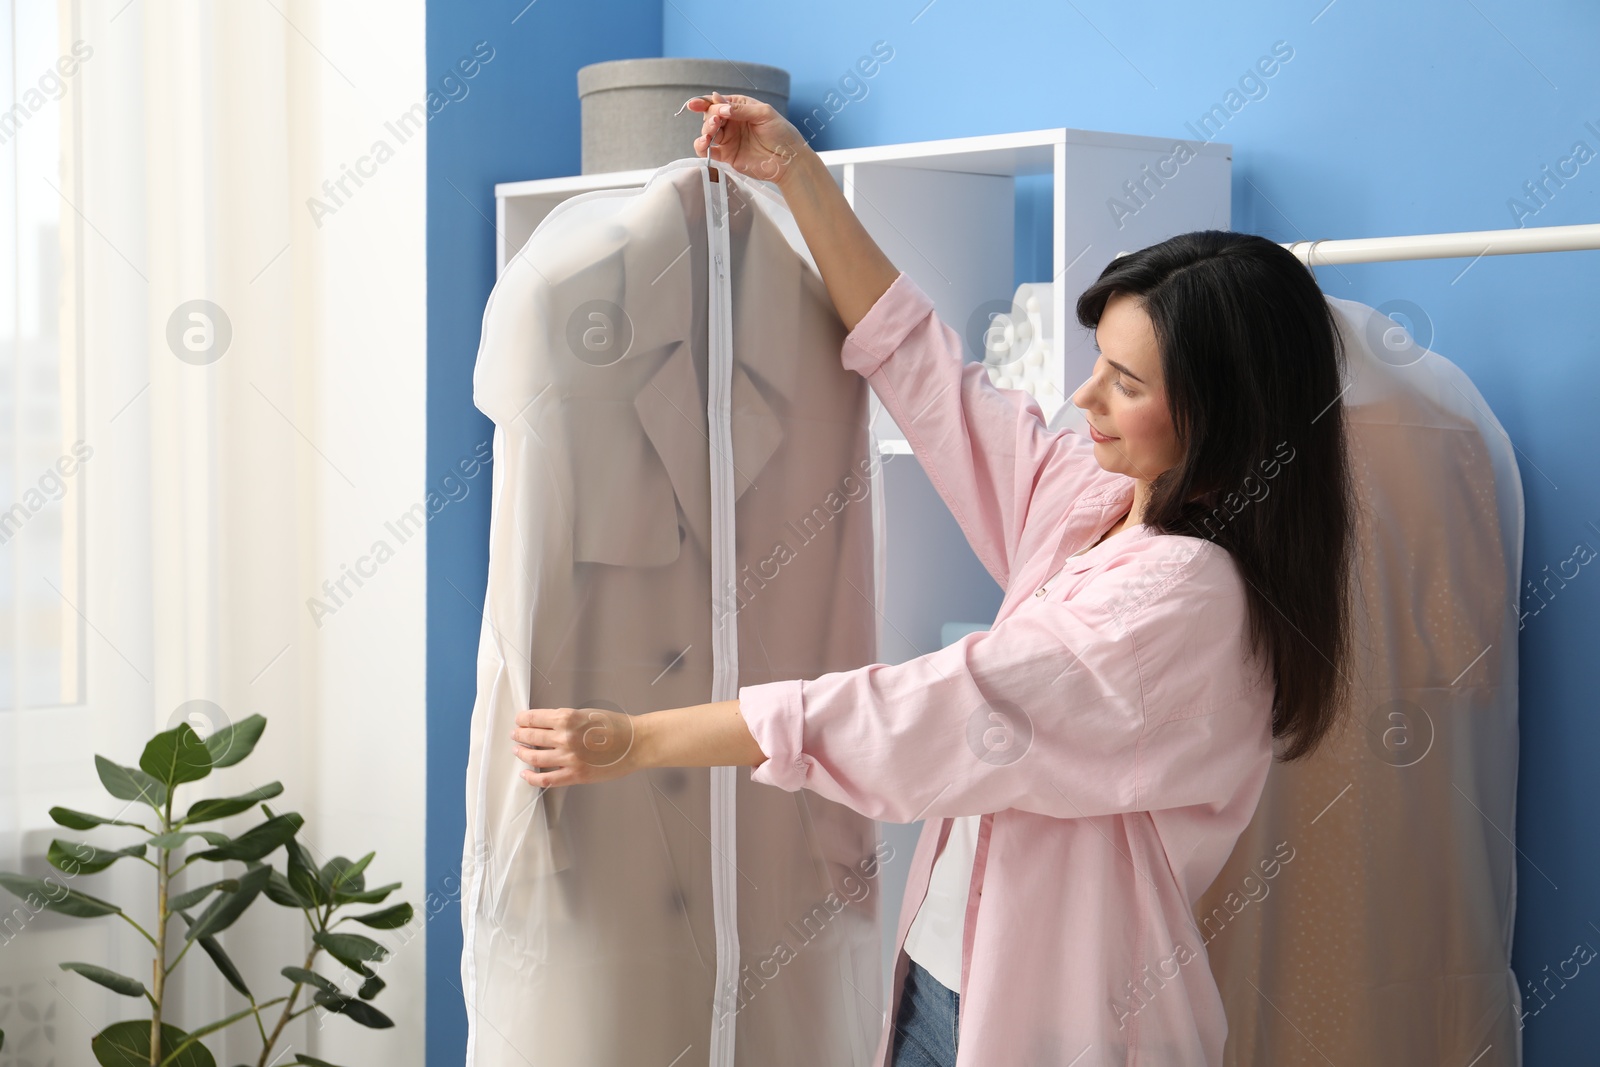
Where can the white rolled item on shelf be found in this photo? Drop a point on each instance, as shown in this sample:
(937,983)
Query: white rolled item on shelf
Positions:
(1019,347)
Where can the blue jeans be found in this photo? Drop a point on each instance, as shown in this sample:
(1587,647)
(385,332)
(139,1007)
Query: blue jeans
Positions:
(925,1031)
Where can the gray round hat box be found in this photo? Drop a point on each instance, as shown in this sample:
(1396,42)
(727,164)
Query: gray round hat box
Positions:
(628,105)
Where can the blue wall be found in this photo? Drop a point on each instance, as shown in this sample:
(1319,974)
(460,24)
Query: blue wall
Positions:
(1388,119)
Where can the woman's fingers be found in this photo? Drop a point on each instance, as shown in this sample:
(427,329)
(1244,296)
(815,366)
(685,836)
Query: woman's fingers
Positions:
(537,736)
(710,100)
(540,757)
(536,740)
(718,110)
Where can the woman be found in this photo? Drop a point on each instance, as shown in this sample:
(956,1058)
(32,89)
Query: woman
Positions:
(1174,602)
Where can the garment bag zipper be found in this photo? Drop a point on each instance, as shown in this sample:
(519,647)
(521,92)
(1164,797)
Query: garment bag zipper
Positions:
(724,617)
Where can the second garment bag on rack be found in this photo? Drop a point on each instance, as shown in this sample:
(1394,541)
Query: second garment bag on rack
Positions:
(682,473)
(1365,914)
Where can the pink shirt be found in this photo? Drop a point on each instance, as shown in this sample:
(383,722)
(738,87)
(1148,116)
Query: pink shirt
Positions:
(1114,732)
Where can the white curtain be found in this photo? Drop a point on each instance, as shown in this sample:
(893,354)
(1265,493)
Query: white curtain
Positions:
(229,484)
(1365,915)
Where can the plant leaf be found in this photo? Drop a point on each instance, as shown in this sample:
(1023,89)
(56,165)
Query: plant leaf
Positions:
(214,949)
(175,838)
(82,820)
(350,877)
(311,978)
(335,874)
(69,902)
(303,874)
(279,891)
(222,807)
(127,783)
(358,1010)
(175,756)
(229,906)
(390,918)
(352,950)
(127,1044)
(218,956)
(76,857)
(257,841)
(372,987)
(366,896)
(117,983)
(190,897)
(311,1061)
(233,743)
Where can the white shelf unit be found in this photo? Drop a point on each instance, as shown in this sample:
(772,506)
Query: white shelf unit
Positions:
(945,213)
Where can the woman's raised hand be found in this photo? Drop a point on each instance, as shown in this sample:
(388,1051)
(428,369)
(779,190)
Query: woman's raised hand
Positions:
(752,137)
(756,141)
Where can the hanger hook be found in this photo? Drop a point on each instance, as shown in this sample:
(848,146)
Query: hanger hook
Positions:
(711,138)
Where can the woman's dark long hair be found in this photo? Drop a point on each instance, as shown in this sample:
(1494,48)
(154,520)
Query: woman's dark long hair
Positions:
(1251,356)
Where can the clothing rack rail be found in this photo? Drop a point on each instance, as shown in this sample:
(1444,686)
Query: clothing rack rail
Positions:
(1447,245)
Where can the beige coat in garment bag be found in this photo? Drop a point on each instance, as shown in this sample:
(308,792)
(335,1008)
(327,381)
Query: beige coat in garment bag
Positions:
(1365,914)
(684,502)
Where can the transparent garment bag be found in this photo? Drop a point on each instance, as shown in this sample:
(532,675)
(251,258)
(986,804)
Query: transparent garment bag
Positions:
(684,501)
(1365,915)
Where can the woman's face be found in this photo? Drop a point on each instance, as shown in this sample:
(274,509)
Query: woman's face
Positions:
(1125,398)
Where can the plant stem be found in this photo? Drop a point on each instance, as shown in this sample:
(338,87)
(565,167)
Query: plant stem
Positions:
(262,1030)
(195,1037)
(159,964)
(142,931)
(179,958)
(288,1013)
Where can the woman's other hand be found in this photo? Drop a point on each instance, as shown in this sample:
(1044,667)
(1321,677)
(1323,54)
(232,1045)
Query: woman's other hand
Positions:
(572,746)
(752,137)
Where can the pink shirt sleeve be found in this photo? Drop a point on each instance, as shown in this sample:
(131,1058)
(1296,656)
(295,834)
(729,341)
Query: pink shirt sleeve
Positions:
(1070,708)
(983,449)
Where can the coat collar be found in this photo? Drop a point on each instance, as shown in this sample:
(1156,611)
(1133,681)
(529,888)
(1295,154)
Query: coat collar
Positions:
(638,424)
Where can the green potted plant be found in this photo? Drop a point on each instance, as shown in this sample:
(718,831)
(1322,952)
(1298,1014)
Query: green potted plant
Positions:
(170,845)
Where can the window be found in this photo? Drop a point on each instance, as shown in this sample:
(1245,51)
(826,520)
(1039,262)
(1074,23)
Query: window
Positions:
(41,451)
